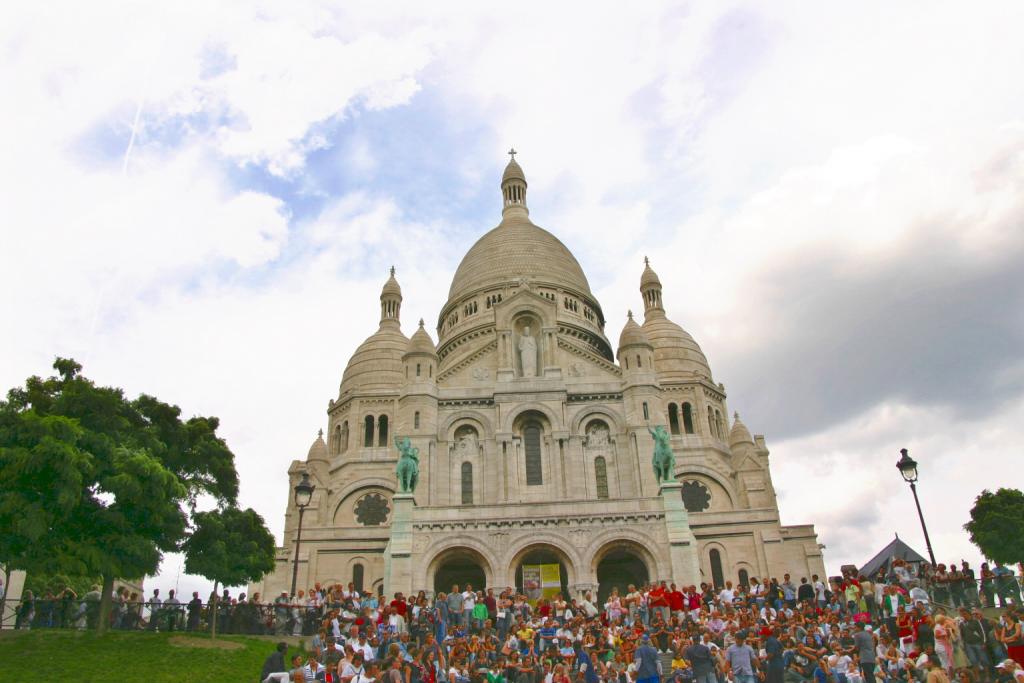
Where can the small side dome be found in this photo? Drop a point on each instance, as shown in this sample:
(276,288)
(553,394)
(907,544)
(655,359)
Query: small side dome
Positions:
(377,363)
(318,451)
(739,434)
(421,342)
(632,334)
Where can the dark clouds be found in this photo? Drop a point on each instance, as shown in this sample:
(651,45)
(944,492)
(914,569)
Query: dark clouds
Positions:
(928,324)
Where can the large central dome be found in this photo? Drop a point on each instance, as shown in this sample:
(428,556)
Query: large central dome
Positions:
(517,248)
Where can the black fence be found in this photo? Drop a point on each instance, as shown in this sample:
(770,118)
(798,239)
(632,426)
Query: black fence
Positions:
(241,618)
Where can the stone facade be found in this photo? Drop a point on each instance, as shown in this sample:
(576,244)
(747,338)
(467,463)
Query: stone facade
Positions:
(533,443)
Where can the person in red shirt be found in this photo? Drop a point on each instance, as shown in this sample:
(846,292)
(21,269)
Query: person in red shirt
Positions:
(676,602)
(693,603)
(659,600)
(398,605)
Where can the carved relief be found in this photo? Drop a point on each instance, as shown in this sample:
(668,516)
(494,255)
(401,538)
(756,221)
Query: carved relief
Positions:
(481,374)
(466,441)
(598,435)
(577,369)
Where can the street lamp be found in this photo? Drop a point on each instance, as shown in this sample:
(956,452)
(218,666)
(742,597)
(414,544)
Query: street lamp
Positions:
(908,468)
(303,493)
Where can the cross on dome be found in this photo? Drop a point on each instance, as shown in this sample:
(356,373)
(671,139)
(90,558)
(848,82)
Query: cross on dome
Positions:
(512,153)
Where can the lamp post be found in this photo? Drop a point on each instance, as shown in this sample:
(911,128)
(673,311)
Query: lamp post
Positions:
(908,468)
(303,493)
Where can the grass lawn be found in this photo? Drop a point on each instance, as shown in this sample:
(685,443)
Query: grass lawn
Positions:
(124,657)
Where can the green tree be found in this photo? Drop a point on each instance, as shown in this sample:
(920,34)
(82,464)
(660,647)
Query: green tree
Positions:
(94,483)
(997,525)
(231,547)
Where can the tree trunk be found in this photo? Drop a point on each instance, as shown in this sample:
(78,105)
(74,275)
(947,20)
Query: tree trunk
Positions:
(104,619)
(213,608)
(7,590)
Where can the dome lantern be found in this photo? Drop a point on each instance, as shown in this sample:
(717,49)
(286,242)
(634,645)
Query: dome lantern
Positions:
(513,186)
(650,288)
(390,300)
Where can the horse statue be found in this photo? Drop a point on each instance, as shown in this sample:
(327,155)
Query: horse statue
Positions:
(664,460)
(408,469)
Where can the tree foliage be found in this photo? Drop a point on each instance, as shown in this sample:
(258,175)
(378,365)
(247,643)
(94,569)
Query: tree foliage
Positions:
(94,483)
(232,547)
(229,546)
(997,525)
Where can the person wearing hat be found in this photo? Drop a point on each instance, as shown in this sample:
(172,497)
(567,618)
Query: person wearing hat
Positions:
(647,664)
(1011,668)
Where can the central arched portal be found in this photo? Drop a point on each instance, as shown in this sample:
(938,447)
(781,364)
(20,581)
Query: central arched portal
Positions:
(457,567)
(619,566)
(542,555)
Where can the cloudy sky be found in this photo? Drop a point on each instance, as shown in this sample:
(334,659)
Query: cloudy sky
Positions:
(201,201)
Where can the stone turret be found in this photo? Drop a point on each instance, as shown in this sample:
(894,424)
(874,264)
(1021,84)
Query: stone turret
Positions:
(677,357)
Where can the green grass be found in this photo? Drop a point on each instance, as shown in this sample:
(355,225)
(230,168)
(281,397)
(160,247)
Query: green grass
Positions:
(122,657)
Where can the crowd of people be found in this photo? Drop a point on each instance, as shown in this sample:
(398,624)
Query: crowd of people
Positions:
(915,625)
(847,630)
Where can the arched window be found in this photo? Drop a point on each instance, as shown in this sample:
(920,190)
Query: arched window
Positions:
(417,369)
(718,424)
(357,576)
(711,421)
(416,420)
(673,418)
(638,363)
(368,431)
(744,578)
(344,436)
(336,441)
(716,568)
(382,431)
(647,413)
(531,442)
(467,483)
(687,418)
(601,474)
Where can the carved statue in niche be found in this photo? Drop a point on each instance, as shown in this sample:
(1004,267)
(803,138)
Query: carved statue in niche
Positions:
(597,434)
(466,441)
(528,353)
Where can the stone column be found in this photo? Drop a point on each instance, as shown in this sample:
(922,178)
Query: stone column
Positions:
(398,554)
(682,544)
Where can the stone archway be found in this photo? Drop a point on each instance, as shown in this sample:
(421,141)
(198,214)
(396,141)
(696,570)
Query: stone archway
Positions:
(619,564)
(458,566)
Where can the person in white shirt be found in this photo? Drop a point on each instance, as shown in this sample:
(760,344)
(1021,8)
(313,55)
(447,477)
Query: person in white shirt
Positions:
(727,595)
(819,590)
(351,670)
(468,603)
(840,664)
(361,646)
(919,595)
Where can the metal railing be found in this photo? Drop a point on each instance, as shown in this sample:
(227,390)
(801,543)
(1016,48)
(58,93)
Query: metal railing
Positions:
(239,618)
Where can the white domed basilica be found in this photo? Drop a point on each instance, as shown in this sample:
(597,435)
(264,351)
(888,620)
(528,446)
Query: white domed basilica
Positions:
(534,438)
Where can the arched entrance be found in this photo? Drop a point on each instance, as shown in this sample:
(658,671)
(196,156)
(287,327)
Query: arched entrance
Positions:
(459,566)
(542,555)
(619,565)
